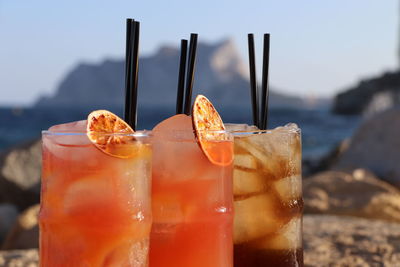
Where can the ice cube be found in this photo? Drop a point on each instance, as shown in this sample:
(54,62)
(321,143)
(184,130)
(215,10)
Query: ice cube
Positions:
(240,127)
(71,127)
(178,126)
(278,151)
(135,175)
(85,194)
(73,133)
(244,161)
(69,141)
(289,188)
(167,209)
(128,253)
(245,144)
(255,218)
(289,237)
(273,143)
(176,154)
(168,213)
(290,136)
(292,126)
(248,182)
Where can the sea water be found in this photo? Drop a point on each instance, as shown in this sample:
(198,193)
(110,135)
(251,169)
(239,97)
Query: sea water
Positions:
(321,130)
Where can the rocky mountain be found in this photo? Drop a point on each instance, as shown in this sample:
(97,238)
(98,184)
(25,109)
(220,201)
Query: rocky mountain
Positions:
(370,96)
(221,75)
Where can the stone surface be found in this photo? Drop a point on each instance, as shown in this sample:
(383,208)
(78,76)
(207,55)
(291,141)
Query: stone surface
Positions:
(370,95)
(8,215)
(328,241)
(19,258)
(349,241)
(20,169)
(314,166)
(375,146)
(358,194)
(25,232)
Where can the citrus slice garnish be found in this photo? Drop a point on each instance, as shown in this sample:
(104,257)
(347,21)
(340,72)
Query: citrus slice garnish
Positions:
(209,130)
(108,132)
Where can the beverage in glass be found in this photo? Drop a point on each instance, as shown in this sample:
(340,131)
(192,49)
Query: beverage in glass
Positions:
(191,199)
(268,197)
(95,207)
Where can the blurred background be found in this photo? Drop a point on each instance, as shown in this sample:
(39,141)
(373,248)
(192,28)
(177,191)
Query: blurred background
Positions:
(61,60)
(334,70)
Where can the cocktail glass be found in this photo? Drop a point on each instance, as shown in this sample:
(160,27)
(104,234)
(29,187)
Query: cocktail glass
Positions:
(95,208)
(268,197)
(191,198)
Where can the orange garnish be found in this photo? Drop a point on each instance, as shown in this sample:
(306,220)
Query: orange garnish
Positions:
(103,128)
(209,129)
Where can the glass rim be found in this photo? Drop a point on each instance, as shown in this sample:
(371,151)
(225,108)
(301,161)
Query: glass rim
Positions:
(282,130)
(141,133)
(136,133)
(194,131)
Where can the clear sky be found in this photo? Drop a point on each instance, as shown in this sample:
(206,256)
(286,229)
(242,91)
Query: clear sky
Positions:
(317,47)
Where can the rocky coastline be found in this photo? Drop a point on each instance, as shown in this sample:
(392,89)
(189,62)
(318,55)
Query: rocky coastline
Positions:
(352,203)
(370,96)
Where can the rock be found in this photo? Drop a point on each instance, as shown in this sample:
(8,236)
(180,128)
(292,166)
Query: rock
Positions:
(25,232)
(8,215)
(370,96)
(313,166)
(328,241)
(20,169)
(358,194)
(381,101)
(19,258)
(375,146)
(349,241)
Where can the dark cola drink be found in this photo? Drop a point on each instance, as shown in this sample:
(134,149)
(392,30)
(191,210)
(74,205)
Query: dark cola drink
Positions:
(268,197)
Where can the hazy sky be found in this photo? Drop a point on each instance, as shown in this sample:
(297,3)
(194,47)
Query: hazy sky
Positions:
(317,47)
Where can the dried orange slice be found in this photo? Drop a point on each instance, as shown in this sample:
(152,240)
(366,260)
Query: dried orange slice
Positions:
(209,130)
(103,128)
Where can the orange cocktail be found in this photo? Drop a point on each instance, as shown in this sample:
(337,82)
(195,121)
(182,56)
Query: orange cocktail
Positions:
(95,207)
(191,198)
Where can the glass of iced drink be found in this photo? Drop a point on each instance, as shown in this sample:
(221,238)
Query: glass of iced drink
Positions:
(95,202)
(268,197)
(191,197)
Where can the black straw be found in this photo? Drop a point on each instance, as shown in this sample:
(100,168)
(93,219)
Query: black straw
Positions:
(131,71)
(253,79)
(190,73)
(134,74)
(264,84)
(181,77)
(128,49)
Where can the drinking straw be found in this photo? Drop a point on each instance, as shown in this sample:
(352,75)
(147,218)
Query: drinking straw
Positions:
(264,83)
(190,73)
(131,72)
(128,49)
(253,79)
(181,77)
(134,73)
